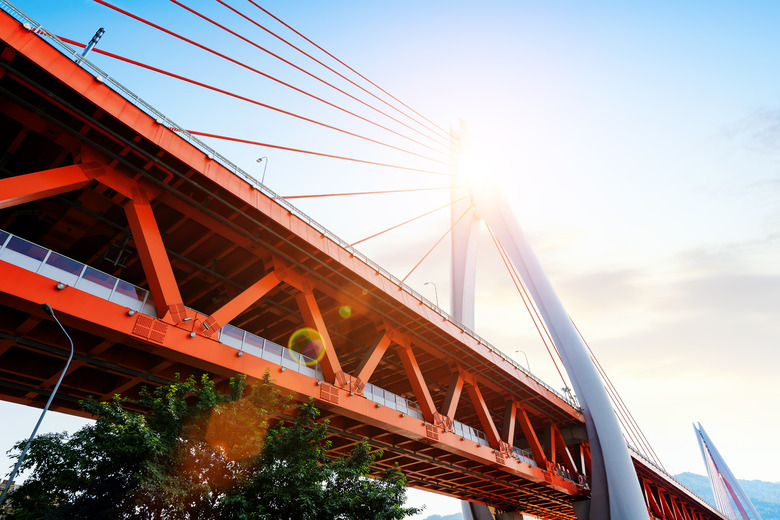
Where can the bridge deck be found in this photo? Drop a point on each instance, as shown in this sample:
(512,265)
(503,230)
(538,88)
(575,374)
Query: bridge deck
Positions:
(170,261)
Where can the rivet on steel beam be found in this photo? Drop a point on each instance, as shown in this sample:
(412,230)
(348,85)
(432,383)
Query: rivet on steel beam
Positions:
(158,121)
(319,383)
(240,353)
(210,156)
(463,438)
(99,79)
(352,393)
(403,415)
(378,405)
(192,334)
(60,286)
(282,369)
(130,312)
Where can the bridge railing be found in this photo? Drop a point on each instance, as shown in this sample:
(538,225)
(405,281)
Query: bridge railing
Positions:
(69,272)
(524,455)
(212,154)
(244,341)
(466,432)
(386,398)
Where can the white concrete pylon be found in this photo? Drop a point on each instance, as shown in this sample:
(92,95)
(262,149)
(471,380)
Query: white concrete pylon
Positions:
(723,480)
(463,265)
(615,491)
(465,236)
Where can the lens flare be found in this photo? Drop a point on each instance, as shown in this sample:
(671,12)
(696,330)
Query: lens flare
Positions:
(236,429)
(345,311)
(306,346)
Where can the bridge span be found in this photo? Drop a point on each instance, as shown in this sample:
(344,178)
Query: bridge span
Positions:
(162,257)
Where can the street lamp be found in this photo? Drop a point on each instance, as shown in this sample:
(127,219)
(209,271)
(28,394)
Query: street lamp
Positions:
(526,359)
(435,292)
(265,167)
(48,310)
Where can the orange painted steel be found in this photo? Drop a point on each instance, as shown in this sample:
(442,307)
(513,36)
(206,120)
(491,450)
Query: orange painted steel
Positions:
(39,185)
(178,265)
(240,303)
(153,257)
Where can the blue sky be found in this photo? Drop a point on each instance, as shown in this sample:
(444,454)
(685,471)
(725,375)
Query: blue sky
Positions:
(638,142)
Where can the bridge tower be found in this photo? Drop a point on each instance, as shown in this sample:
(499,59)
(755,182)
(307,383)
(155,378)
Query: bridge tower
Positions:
(723,482)
(616,493)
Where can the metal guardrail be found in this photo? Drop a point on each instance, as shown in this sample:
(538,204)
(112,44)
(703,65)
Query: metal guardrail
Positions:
(68,272)
(212,154)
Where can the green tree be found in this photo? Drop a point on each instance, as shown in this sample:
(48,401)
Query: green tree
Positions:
(295,480)
(196,453)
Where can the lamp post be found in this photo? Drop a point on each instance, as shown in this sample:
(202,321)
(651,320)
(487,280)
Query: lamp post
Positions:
(435,292)
(48,310)
(526,359)
(265,167)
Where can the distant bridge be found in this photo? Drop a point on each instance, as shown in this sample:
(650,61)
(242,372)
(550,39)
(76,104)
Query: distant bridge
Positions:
(162,257)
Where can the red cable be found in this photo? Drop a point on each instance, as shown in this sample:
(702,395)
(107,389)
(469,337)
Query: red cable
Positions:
(436,244)
(359,193)
(204,17)
(247,141)
(249,100)
(138,18)
(350,68)
(327,67)
(519,286)
(603,373)
(407,222)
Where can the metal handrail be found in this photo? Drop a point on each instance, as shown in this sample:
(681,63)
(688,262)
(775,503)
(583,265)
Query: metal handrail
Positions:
(212,154)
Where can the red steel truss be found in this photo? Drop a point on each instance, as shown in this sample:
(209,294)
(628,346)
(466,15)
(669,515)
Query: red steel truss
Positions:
(212,269)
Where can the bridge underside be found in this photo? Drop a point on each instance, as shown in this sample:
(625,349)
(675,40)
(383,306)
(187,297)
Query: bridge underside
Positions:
(160,261)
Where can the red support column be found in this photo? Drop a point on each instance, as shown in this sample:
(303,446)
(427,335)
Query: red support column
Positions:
(420,389)
(510,419)
(453,396)
(669,513)
(585,455)
(241,302)
(683,510)
(550,451)
(372,358)
(533,440)
(484,414)
(154,258)
(651,501)
(312,318)
(39,185)
(566,459)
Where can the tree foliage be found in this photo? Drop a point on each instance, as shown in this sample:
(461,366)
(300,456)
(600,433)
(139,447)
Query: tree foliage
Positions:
(197,453)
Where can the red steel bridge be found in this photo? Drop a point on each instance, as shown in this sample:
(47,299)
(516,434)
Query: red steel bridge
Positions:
(161,257)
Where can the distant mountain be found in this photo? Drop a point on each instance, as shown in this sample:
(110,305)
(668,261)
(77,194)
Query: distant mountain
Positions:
(764,495)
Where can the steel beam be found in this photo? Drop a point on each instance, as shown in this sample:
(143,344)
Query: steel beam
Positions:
(416,379)
(240,303)
(312,318)
(42,184)
(154,258)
